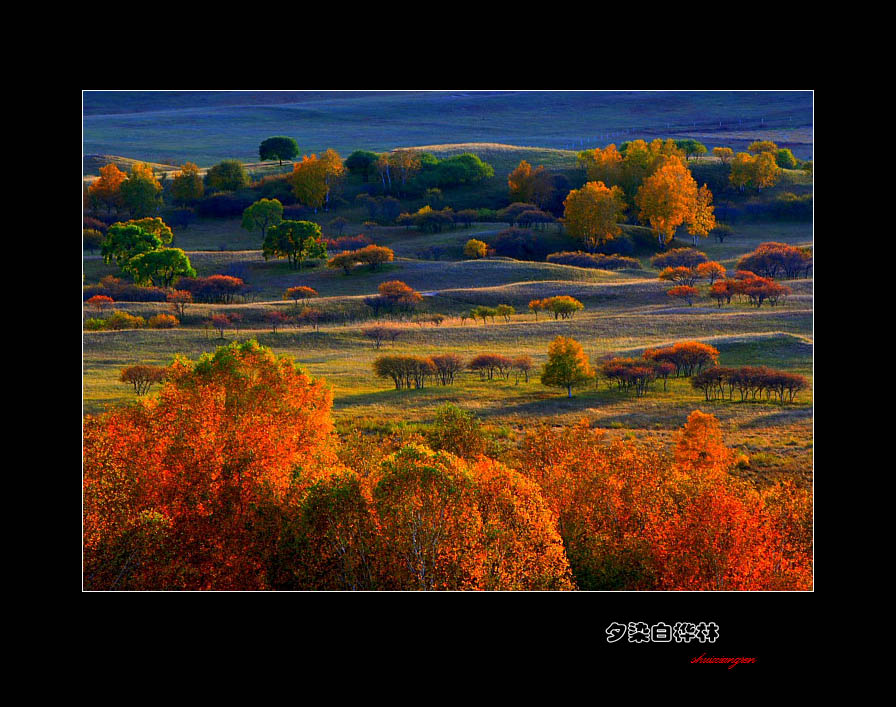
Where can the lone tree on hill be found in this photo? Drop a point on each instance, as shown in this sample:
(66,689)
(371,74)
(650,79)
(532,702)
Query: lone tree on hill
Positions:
(278,148)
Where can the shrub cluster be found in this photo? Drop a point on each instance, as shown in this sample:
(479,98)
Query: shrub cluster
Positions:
(119,291)
(116,321)
(750,286)
(484,313)
(784,207)
(143,377)
(678,257)
(525,215)
(163,321)
(493,366)
(520,244)
(688,276)
(475,249)
(225,205)
(594,260)
(381,210)
(452,171)
(218,289)
(414,371)
(347,242)
(405,371)
(395,297)
(774,259)
(372,255)
(428,220)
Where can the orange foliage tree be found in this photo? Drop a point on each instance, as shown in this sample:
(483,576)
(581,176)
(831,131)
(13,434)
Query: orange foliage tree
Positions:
(424,520)
(313,179)
(602,165)
(667,199)
(702,220)
(105,192)
(593,212)
(633,517)
(523,182)
(182,490)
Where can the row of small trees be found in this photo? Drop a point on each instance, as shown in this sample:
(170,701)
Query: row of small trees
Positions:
(756,290)
(681,359)
(414,371)
(635,373)
(561,306)
(751,382)
(485,313)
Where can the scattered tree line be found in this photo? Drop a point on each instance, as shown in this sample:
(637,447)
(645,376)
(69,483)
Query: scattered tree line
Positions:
(756,290)
(561,306)
(636,373)
(751,382)
(408,372)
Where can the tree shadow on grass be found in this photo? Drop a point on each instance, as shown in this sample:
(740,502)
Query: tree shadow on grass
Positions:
(788,416)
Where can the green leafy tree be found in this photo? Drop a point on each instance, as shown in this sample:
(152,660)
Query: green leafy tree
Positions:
(691,147)
(278,148)
(361,162)
(263,214)
(187,187)
(125,241)
(297,241)
(506,311)
(159,267)
(457,431)
(786,159)
(156,226)
(141,192)
(229,175)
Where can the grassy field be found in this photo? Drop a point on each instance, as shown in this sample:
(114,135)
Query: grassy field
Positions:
(206,127)
(625,312)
